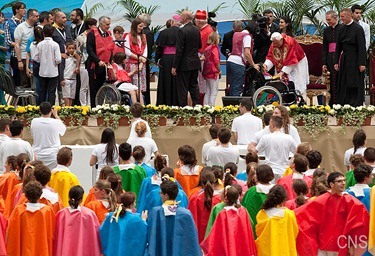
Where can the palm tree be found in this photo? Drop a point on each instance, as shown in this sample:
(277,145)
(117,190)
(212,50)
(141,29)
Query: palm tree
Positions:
(134,9)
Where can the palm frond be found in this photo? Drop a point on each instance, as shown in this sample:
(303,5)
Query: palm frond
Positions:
(90,12)
(7,5)
(367,6)
(134,9)
(183,9)
(218,8)
(249,7)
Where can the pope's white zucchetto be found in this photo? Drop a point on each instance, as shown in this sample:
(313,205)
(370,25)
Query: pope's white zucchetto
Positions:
(276,36)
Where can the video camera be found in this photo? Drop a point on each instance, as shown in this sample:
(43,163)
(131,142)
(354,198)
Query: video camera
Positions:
(210,20)
(261,20)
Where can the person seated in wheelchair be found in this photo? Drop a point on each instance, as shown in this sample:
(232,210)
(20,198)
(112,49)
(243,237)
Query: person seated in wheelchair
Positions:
(117,73)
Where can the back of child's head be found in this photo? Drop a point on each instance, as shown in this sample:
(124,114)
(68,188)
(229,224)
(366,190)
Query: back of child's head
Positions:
(33,191)
(224,135)
(75,196)
(300,163)
(105,171)
(369,155)
(218,172)
(119,58)
(186,154)
(301,189)
(160,162)
(361,172)
(213,38)
(12,162)
(170,188)
(356,160)
(167,170)
(125,151)
(303,148)
(116,183)
(48,30)
(64,156)
(140,129)
(207,178)
(247,103)
(136,109)
(139,154)
(22,160)
(359,139)
(230,173)
(267,117)
(315,158)
(213,130)
(42,174)
(126,200)
(231,195)
(264,173)
(238,188)
(275,197)
(251,156)
(110,194)
(251,174)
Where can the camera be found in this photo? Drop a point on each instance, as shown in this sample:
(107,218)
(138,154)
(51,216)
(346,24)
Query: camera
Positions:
(263,21)
(210,20)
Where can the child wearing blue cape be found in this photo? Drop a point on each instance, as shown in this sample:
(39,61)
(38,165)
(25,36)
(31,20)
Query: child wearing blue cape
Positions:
(149,196)
(171,229)
(124,232)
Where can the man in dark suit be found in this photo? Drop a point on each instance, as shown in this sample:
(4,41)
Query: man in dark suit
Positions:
(330,34)
(186,61)
(146,18)
(228,37)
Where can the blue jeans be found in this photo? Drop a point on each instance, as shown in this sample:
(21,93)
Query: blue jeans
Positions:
(236,77)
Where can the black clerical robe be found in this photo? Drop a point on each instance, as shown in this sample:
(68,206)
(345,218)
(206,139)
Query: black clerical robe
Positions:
(350,54)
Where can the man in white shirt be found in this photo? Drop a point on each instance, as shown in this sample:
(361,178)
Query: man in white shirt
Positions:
(4,133)
(224,152)
(21,35)
(46,132)
(137,110)
(245,126)
(16,145)
(276,146)
(212,143)
(49,56)
(357,14)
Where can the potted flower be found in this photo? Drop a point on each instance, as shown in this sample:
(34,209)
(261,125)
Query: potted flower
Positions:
(225,115)
(112,115)
(73,115)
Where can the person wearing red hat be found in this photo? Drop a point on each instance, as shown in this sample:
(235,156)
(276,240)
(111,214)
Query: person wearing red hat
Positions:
(205,31)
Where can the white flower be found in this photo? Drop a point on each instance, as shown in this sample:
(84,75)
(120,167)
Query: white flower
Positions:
(100,111)
(198,108)
(210,110)
(115,108)
(336,106)
(260,110)
(288,108)
(371,108)
(269,108)
(360,108)
(347,106)
(352,108)
(332,112)
(127,108)
(188,108)
(94,110)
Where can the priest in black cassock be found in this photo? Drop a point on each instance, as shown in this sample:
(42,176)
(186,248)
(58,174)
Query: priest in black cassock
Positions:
(350,61)
(330,34)
(165,51)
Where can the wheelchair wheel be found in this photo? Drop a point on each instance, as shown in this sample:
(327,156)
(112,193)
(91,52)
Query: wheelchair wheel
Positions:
(267,95)
(108,94)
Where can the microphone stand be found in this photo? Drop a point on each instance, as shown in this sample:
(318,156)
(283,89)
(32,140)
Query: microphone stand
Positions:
(138,62)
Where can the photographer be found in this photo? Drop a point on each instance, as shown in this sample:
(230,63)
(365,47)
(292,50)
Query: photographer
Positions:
(262,41)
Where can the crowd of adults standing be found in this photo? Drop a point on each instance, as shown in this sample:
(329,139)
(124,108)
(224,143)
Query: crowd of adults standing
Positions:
(187,54)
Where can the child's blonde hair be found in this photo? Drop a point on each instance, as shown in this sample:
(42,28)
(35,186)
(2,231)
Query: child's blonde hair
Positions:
(213,38)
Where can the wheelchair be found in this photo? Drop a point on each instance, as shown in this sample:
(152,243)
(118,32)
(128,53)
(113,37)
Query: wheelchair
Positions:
(109,94)
(270,91)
